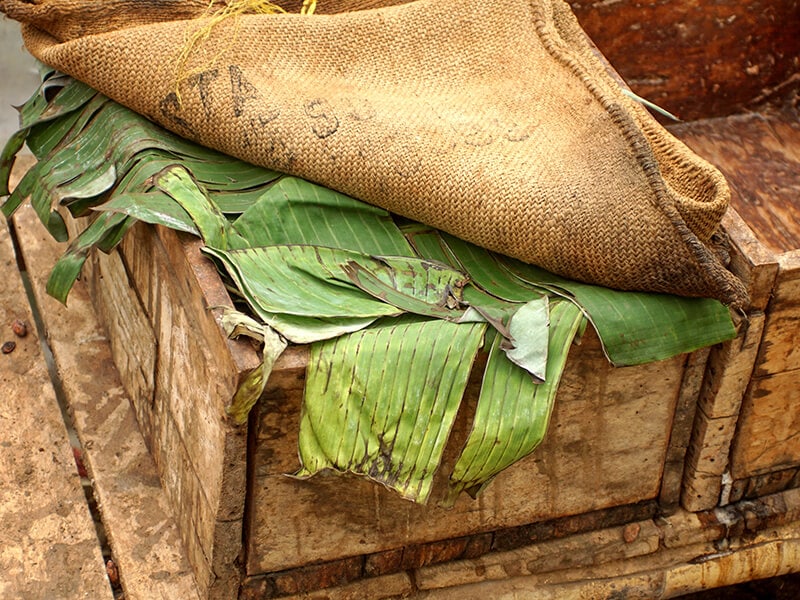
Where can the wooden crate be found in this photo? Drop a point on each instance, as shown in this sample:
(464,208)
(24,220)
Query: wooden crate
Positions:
(181,372)
(614,455)
(614,450)
(749,421)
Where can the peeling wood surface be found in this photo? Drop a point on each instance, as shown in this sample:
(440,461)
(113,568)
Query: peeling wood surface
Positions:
(780,350)
(201,458)
(48,545)
(143,535)
(759,154)
(606,446)
(661,558)
(698,59)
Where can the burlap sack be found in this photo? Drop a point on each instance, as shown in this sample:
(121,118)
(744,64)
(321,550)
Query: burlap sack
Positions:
(493,121)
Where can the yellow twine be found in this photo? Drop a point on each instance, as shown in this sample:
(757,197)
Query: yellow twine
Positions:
(232,8)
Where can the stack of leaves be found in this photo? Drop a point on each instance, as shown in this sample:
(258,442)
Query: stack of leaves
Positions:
(395,312)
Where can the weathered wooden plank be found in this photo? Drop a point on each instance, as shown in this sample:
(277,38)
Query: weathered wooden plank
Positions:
(730,366)
(606,447)
(763,485)
(666,575)
(143,535)
(162,279)
(780,350)
(398,585)
(629,561)
(576,551)
(133,345)
(768,438)
(760,157)
(681,431)
(750,260)
(728,372)
(697,59)
(48,543)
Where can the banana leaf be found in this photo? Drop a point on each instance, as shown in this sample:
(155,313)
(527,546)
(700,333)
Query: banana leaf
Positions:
(636,327)
(381,402)
(395,311)
(513,411)
(295,211)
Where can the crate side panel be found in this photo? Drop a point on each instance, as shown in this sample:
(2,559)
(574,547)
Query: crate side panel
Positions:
(606,447)
(768,435)
(200,456)
(133,341)
(780,348)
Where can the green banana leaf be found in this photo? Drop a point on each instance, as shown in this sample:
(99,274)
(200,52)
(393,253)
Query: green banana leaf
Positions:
(394,310)
(295,211)
(636,327)
(381,402)
(513,411)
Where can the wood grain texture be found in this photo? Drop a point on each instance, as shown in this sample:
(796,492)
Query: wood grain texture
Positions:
(768,437)
(143,535)
(780,350)
(727,376)
(161,279)
(48,544)
(680,434)
(698,59)
(606,447)
(660,558)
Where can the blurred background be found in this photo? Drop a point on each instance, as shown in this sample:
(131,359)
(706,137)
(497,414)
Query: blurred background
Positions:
(18,76)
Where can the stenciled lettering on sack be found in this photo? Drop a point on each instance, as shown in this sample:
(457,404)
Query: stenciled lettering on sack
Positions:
(170,108)
(202,81)
(241,90)
(242,93)
(360,109)
(516,132)
(473,134)
(324,121)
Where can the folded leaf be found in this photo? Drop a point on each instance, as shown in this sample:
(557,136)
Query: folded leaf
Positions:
(381,402)
(637,327)
(513,411)
(416,286)
(529,337)
(294,211)
(300,280)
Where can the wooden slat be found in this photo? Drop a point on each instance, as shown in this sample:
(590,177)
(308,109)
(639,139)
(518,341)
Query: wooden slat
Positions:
(681,431)
(48,543)
(727,375)
(142,532)
(648,559)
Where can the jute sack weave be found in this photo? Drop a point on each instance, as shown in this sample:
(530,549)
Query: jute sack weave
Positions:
(495,122)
